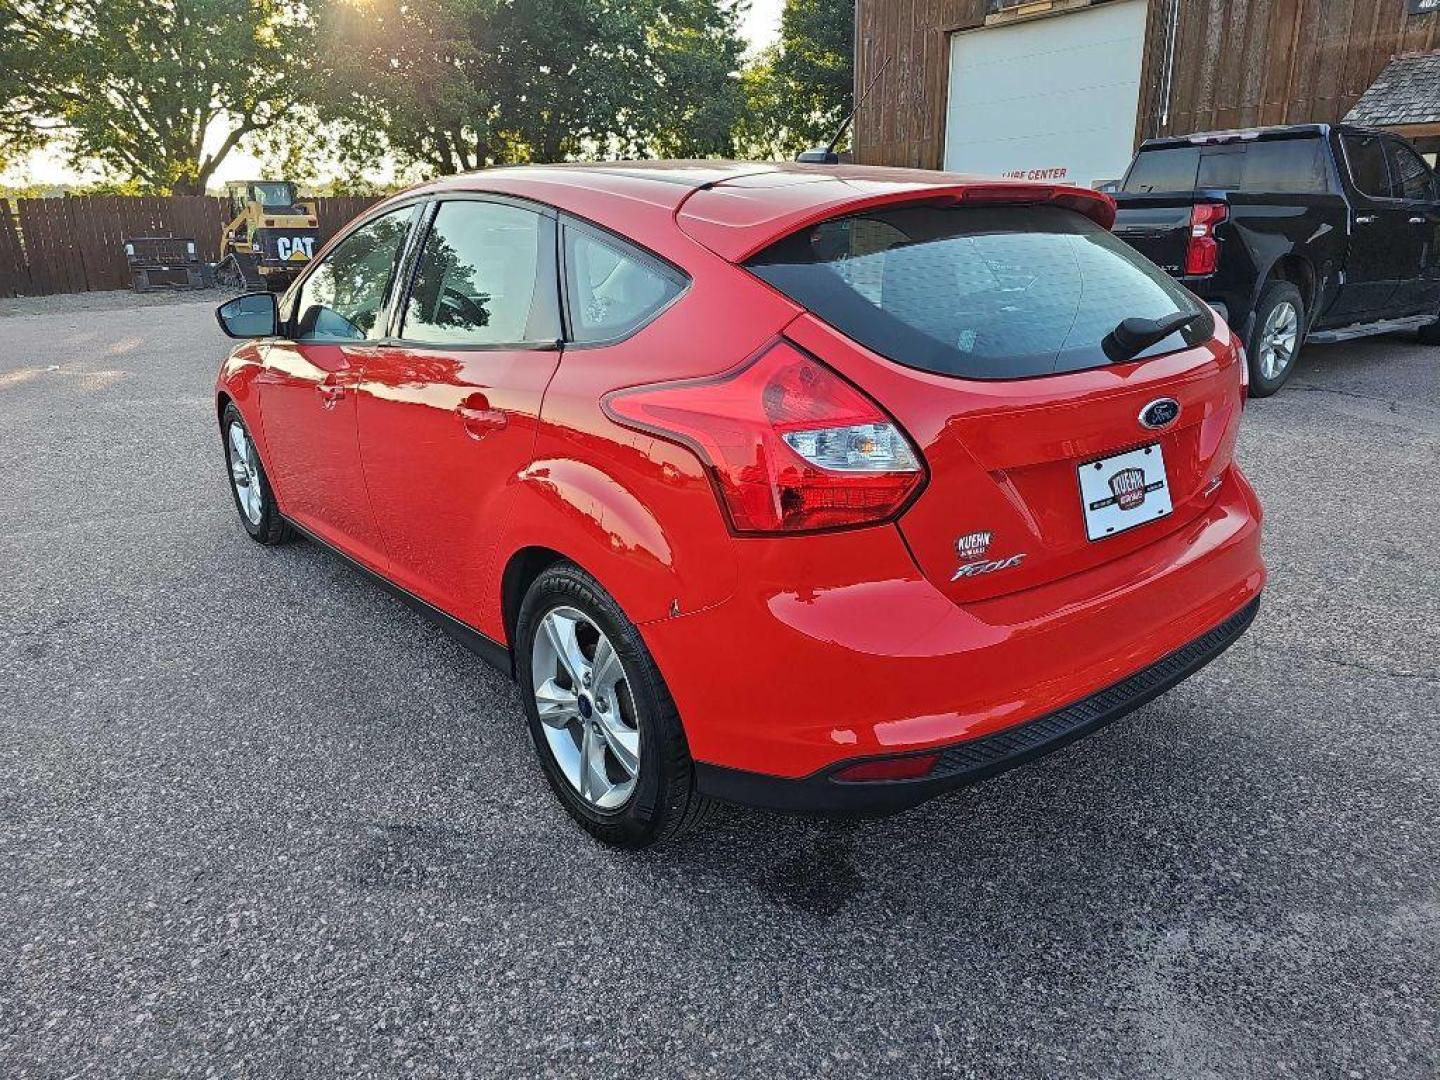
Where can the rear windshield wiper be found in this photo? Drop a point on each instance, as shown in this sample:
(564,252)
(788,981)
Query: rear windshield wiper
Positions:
(1134,336)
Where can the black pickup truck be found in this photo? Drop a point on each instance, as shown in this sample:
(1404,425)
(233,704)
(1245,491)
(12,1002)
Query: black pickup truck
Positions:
(1314,232)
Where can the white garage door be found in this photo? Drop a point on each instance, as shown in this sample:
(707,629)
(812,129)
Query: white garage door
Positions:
(1050,98)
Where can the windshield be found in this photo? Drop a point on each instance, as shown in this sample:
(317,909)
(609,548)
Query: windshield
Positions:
(274,193)
(982,292)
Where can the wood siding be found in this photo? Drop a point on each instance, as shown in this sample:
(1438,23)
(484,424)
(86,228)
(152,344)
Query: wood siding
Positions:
(1237,63)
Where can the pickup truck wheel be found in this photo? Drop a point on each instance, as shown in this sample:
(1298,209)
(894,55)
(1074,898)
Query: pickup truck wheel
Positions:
(1430,334)
(1278,330)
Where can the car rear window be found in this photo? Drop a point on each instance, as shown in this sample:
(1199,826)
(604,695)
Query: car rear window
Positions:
(1268,166)
(1001,292)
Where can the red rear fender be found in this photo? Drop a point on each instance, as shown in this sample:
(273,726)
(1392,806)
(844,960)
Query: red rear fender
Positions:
(642,519)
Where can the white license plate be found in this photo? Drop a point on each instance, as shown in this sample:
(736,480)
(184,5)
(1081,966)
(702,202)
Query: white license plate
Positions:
(1120,492)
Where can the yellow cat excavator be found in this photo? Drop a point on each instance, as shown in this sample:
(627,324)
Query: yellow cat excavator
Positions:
(269,239)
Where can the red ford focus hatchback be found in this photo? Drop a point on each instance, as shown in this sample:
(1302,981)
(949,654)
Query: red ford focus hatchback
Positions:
(817,488)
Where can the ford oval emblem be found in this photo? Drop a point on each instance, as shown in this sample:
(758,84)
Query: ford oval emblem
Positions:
(1160,413)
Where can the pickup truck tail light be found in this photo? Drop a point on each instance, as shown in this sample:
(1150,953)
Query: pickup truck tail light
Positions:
(789,444)
(1202,254)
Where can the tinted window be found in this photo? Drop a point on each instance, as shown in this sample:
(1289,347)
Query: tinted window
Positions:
(485,277)
(989,293)
(274,193)
(1273,166)
(1170,169)
(1222,167)
(1285,166)
(344,298)
(612,288)
(1366,155)
(1411,174)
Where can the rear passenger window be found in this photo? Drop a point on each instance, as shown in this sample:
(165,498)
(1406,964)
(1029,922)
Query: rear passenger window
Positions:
(485,277)
(1286,167)
(1410,172)
(612,288)
(1366,156)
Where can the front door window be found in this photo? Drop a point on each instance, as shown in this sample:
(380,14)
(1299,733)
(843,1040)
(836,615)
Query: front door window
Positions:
(344,297)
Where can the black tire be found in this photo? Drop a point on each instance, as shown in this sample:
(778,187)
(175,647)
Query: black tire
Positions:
(663,803)
(271,528)
(1429,334)
(1274,294)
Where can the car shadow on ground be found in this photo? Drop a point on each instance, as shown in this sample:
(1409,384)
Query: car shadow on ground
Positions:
(1188,798)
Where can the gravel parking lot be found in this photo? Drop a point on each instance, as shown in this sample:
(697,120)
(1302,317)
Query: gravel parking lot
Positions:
(258,819)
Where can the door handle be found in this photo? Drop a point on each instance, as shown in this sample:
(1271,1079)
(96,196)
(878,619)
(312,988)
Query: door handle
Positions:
(1417,221)
(1365,219)
(478,417)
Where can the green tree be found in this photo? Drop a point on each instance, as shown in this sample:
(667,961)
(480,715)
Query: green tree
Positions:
(135,85)
(761,132)
(695,96)
(18,133)
(816,65)
(406,77)
(798,91)
(460,84)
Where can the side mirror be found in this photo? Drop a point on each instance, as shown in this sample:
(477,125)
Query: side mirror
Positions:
(253,315)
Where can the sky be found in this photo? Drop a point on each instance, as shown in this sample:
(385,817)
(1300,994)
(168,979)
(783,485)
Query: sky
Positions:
(760,26)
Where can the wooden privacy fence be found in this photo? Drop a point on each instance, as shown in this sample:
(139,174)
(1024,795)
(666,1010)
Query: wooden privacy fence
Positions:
(75,244)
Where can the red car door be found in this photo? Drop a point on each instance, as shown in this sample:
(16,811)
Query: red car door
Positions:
(448,409)
(307,394)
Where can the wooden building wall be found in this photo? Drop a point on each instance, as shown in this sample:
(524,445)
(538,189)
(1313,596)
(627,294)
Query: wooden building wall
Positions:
(1237,63)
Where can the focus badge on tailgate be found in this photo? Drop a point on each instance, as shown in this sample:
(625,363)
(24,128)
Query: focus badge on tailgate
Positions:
(1120,492)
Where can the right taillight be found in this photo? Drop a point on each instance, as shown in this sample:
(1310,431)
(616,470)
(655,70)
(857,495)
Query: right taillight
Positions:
(1202,254)
(790,445)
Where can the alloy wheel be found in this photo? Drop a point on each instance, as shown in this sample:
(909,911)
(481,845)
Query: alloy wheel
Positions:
(586,708)
(245,473)
(1278,339)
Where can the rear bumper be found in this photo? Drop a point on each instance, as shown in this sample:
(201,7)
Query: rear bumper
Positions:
(976,759)
(806,669)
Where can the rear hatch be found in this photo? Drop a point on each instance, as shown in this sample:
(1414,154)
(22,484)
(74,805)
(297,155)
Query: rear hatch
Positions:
(980,329)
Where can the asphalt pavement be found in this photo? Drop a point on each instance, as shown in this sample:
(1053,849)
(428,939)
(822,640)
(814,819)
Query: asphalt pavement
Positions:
(257,819)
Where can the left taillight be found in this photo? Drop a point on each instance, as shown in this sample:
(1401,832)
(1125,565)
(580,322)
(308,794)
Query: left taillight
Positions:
(790,445)
(1202,254)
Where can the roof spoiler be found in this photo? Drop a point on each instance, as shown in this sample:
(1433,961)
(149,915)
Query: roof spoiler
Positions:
(735,226)
(1096,205)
